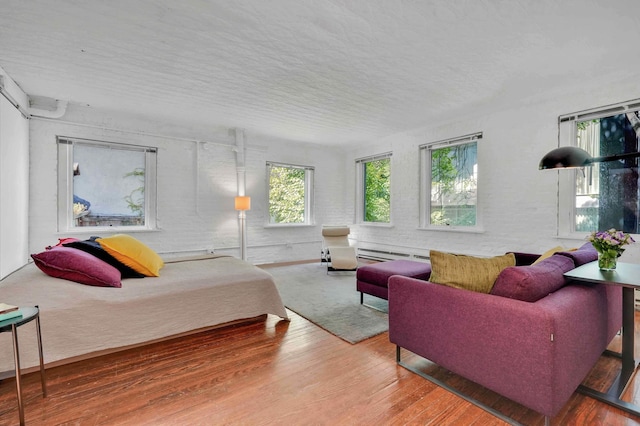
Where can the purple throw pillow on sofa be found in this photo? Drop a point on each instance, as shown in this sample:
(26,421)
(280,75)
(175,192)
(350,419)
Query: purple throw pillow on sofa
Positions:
(532,283)
(75,265)
(585,254)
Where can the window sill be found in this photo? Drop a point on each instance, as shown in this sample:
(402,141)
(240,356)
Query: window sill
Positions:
(376,224)
(106,229)
(463,230)
(289,225)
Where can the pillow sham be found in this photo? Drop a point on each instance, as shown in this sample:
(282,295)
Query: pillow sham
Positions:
(133,253)
(94,248)
(75,265)
(62,241)
(468,272)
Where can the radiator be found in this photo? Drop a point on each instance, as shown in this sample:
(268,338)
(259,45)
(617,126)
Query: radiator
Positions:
(384,255)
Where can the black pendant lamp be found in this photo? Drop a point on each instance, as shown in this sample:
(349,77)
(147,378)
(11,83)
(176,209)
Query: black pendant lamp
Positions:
(572,156)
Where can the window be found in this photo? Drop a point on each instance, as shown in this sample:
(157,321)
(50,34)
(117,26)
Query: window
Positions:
(450,179)
(105,185)
(290,194)
(374,189)
(605,194)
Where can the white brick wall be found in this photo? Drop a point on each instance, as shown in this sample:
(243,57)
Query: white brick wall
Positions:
(517,202)
(196,186)
(197,182)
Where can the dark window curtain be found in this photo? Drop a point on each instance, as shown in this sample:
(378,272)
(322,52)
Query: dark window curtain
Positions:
(619,179)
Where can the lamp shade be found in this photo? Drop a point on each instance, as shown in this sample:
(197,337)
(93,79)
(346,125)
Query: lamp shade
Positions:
(243,203)
(565,157)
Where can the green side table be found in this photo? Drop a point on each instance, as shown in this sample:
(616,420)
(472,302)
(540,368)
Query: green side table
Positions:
(12,324)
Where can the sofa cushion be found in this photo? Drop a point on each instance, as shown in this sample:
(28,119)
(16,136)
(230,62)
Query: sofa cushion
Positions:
(585,254)
(75,265)
(532,283)
(379,273)
(468,272)
(133,253)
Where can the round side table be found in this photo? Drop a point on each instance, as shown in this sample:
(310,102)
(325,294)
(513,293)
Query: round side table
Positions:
(28,314)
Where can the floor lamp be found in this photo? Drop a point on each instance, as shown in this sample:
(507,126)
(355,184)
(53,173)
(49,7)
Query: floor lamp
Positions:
(242,204)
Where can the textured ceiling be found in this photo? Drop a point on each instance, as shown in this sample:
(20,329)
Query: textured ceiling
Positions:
(325,71)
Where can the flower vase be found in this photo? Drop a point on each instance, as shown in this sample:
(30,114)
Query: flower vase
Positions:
(607,261)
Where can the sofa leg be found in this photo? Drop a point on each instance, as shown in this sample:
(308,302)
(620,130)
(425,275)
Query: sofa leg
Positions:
(462,395)
(547,421)
(361,298)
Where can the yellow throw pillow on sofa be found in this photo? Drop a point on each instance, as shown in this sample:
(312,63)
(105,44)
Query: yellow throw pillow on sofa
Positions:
(468,272)
(133,253)
(547,254)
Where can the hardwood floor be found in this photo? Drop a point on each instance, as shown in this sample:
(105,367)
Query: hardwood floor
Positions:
(272,372)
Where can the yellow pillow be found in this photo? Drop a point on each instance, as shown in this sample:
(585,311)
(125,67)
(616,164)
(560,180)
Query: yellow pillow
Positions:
(468,272)
(547,254)
(133,253)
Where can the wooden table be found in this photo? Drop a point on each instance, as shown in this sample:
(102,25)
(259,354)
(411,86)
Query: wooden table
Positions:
(626,275)
(28,315)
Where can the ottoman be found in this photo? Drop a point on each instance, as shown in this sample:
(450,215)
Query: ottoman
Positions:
(372,279)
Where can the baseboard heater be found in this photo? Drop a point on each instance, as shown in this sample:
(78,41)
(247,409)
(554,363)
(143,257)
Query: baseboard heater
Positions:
(381,254)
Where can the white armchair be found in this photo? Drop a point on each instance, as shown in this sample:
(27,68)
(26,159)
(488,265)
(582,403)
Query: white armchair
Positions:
(336,251)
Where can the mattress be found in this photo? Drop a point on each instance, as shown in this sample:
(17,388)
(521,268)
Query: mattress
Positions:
(79,320)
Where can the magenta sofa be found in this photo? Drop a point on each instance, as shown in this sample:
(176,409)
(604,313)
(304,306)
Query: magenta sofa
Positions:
(534,349)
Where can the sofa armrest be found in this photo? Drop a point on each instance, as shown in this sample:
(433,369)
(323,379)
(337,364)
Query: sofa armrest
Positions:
(533,353)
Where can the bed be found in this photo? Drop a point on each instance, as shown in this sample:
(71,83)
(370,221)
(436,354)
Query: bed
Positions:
(79,321)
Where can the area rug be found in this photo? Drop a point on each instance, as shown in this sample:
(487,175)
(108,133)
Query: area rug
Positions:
(330,300)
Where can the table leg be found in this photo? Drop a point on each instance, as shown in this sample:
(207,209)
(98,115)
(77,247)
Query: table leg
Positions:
(629,364)
(628,338)
(42,376)
(16,360)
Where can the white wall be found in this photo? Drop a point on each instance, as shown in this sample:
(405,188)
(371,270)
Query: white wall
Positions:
(14,181)
(517,202)
(197,182)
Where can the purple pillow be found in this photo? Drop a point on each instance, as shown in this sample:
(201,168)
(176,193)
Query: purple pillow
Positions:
(585,254)
(75,265)
(532,283)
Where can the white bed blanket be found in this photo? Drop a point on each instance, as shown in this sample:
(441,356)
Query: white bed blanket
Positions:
(77,319)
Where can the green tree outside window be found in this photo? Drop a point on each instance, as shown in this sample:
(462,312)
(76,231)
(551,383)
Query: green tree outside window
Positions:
(286,194)
(454,185)
(377,191)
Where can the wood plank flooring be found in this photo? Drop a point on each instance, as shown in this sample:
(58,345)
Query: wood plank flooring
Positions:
(272,372)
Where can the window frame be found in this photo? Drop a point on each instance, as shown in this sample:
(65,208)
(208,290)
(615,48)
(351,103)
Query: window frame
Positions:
(66,222)
(309,195)
(425,183)
(360,190)
(567,135)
